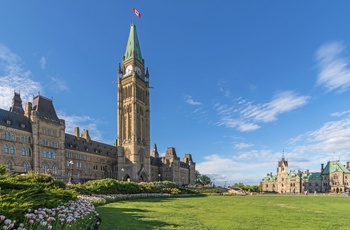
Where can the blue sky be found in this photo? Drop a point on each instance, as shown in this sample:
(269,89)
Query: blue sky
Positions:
(236,83)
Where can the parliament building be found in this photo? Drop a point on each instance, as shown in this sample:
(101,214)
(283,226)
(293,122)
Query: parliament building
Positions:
(332,178)
(33,138)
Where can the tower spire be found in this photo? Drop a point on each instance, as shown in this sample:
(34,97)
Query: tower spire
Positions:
(133,49)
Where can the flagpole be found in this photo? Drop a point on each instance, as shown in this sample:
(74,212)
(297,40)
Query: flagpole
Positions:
(132,15)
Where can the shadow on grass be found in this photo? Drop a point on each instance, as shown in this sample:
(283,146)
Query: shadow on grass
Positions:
(113,217)
(127,218)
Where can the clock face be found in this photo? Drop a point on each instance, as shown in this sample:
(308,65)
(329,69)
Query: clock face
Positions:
(128,69)
(138,70)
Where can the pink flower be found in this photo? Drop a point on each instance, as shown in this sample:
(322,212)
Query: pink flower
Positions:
(2,218)
(31,222)
(49,227)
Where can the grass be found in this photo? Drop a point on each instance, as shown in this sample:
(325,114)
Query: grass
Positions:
(229,212)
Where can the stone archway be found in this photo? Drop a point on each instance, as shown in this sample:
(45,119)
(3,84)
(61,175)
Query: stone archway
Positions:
(126,178)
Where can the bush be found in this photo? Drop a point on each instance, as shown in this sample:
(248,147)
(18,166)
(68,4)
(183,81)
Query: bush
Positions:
(111,186)
(18,193)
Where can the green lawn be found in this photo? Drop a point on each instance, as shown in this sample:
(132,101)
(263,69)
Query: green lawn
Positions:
(229,212)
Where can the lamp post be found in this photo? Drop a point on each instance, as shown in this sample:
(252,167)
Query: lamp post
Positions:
(70,179)
(122,174)
(159,177)
(214,183)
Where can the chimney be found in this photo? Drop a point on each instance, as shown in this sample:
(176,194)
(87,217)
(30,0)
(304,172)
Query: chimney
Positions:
(348,165)
(86,135)
(322,167)
(28,109)
(307,171)
(76,132)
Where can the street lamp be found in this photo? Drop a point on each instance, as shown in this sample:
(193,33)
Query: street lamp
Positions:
(71,172)
(159,177)
(122,174)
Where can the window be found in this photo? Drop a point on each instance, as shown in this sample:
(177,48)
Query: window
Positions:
(9,136)
(4,135)
(49,155)
(23,151)
(9,164)
(26,167)
(6,149)
(13,137)
(54,169)
(8,122)
(44,154)
(12,150)
(53,155)
(45,168)
(29,152)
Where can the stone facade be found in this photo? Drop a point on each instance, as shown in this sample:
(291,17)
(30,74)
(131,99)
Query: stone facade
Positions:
(35,139)
(333,178)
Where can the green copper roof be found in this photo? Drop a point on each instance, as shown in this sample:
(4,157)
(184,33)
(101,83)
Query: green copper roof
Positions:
(270,178)
(133,46)
(311,176)
(334,166)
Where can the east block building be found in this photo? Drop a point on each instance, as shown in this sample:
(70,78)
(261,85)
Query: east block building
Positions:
(333,178)
(35,138)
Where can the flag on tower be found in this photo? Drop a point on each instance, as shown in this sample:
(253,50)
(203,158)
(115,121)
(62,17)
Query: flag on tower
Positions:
(138,14)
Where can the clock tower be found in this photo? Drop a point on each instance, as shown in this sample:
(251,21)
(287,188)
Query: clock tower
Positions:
(133,113)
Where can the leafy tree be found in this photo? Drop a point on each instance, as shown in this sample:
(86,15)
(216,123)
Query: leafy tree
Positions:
(202,180)
(3,170)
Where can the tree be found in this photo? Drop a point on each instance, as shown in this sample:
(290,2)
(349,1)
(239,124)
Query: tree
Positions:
(3,170)
(202,180)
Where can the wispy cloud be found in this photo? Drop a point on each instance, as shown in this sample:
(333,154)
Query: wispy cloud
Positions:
(243,145)
(244,115)
(334,70)
(59,84)
(224,89)
(42,62)
(13,76)
(83,122)
(189,100)
(339,114)
(330,142)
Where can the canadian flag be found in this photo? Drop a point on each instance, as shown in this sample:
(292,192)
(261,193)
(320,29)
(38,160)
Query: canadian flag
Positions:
(138,14)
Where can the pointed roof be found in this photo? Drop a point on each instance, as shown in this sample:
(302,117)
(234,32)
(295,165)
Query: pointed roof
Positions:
(44,108)
(334,166)
(133,49)
(17,104)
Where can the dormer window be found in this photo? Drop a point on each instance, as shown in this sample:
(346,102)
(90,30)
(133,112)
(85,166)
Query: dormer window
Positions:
(8,122)
(23,126)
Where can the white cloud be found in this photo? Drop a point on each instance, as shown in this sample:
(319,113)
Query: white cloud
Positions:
(238,124)
(14,77)
(189,100)
(231,169)
(83,122)
(334,71)
(339,114)
(244,115)
(242,145)
(281,103)
(330,142)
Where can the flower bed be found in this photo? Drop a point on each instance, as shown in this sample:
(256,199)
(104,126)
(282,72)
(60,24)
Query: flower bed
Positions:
(78,214)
